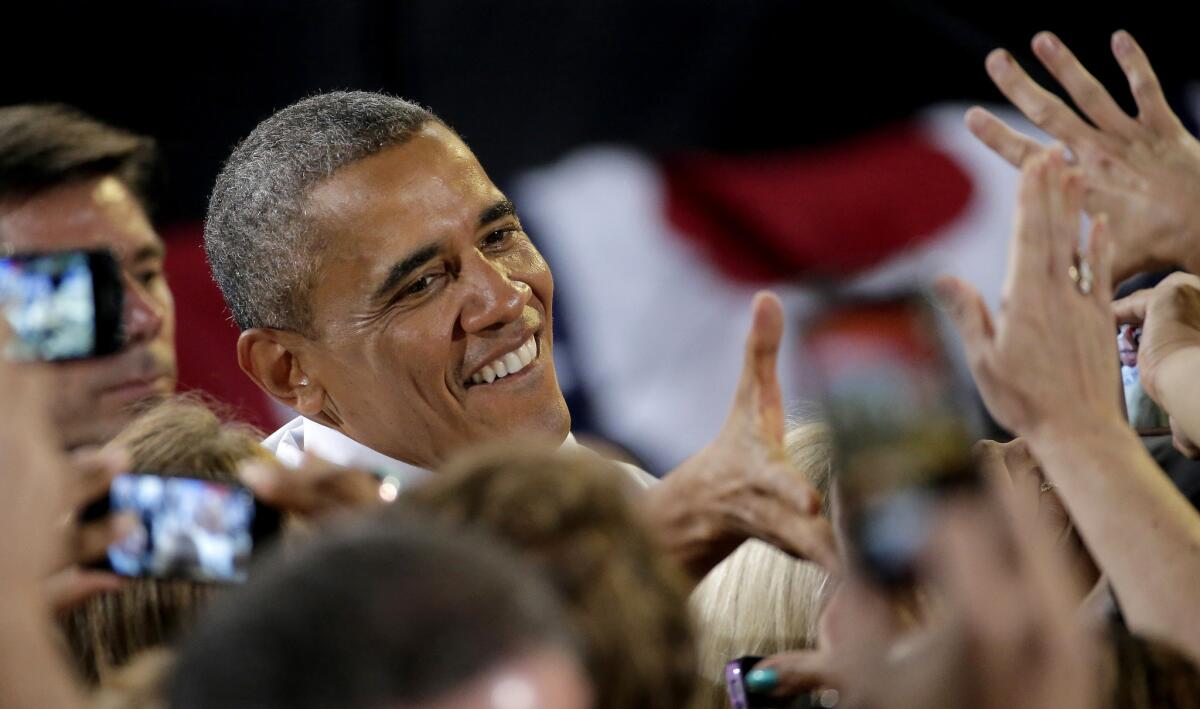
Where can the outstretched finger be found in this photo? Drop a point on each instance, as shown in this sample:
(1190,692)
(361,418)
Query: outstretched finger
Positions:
(1065,201)
(758,390)
(1153,109)
(1100,254)
(1046,110)
(1087,93)
(1013,146)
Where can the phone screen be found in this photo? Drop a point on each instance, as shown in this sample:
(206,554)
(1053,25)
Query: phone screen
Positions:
(1144,415)
(188,528)
(61,306)
(902,422)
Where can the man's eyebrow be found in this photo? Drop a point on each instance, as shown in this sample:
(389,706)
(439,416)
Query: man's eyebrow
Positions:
(405,267)
(499,210)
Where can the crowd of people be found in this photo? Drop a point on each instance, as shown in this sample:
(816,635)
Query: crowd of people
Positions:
(449,544)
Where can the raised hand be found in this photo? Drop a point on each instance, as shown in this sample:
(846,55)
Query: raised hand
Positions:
(1049,359)
(742,485)
(1142,172)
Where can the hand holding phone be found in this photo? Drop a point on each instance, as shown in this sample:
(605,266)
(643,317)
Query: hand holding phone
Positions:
(187,528)
(742,697)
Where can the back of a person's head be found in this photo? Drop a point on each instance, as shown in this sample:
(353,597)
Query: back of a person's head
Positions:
(179,437)
(382,613)
(572,513)
(43,146)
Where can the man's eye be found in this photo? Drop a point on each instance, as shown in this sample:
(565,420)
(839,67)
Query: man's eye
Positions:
(421,284)
(499,236)
(148,277)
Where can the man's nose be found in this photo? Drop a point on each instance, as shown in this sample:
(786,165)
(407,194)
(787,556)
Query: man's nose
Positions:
(493,299)
(142,316)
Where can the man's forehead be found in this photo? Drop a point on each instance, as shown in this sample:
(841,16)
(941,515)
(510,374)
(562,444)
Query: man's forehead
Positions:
(428,184)
(87,214)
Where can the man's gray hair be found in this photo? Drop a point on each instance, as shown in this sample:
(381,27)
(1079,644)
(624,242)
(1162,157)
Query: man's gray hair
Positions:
(258,233)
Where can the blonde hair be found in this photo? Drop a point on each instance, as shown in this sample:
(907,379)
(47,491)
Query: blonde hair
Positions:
(179,437)
(572,514)
(759,600)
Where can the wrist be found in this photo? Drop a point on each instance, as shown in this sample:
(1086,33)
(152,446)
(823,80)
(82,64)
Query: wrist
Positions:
(1080,432)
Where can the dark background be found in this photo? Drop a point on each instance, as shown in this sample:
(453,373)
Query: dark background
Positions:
(525,81)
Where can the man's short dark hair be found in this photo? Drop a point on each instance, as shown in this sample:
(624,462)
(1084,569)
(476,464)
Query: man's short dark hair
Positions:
(43,146)
(388,612)
(258,236)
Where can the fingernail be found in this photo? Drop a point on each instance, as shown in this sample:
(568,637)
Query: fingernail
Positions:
(1121,42)
(997,61)
(1044,42)
(763,680)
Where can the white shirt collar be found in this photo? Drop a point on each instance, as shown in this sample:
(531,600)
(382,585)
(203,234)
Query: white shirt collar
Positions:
(299,435)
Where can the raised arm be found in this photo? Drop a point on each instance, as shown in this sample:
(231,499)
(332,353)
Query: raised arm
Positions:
(1047,371)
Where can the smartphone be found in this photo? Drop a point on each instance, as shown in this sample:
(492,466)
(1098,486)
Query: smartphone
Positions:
(62,306)
(903,422)
(742,698)
(1143,414)
(189,528)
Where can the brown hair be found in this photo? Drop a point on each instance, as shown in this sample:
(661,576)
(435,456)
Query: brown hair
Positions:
(179,437)
(572,513)
(47,145)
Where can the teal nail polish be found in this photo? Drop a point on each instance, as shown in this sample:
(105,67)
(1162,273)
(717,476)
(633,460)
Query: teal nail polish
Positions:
(762,680)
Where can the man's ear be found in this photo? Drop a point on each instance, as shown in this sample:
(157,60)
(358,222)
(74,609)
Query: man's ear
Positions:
(271,358)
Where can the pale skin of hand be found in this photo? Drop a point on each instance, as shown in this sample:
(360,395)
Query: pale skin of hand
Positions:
(33,478)
(1142,171)
(742,485)
(1000,592)
(1169,350)
(1046,370)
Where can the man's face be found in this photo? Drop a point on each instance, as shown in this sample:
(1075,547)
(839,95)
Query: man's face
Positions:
(93,399)
(429,290)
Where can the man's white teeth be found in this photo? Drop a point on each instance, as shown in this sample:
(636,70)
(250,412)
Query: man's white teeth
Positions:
(510,363)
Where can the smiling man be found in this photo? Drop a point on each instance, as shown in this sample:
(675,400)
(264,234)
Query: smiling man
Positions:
(385,289)
(69,182)
(387,292)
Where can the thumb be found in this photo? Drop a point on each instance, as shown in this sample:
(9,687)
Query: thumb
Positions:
(758,390)
(969,313)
